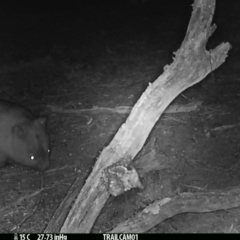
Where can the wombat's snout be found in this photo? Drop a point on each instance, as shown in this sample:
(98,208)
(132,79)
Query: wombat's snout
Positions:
(41,167)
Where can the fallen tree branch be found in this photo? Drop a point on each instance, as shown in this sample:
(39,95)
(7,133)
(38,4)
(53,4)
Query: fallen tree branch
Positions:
(192,63)
(176,108)
(181,203)
(225,127)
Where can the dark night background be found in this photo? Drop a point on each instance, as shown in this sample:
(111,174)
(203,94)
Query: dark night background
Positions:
(66,59)
(34,28)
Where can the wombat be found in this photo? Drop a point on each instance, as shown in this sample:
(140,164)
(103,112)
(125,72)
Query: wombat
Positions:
(23,137)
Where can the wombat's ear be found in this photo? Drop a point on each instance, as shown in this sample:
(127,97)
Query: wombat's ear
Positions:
(18,131)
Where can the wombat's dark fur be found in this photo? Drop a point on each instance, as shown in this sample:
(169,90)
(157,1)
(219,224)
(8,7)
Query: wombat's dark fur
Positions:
(23,137)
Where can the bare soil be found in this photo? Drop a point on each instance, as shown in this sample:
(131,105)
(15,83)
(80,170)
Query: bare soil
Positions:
(103,66)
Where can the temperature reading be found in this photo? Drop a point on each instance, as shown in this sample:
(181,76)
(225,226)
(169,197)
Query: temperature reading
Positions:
(42,236)
(24,236)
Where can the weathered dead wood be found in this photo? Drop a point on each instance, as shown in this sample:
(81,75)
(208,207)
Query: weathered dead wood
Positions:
(192,63)
(176,108)
(181,203)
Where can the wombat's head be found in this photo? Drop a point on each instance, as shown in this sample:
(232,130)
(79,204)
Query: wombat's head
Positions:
(30,144)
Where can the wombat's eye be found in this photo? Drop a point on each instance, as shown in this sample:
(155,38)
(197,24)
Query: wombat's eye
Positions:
(32,157)
(48,150)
